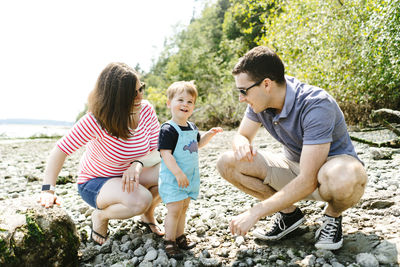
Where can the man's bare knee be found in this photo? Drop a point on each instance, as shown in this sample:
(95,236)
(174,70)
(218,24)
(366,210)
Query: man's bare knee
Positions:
(343,180)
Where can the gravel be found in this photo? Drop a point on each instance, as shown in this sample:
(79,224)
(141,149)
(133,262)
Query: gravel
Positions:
(371,228)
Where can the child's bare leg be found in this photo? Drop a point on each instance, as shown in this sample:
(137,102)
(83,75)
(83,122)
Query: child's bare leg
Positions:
(172,219)
(182,219)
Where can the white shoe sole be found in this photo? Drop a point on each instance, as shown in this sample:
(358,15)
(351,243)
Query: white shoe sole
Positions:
(329,246)
(260,235)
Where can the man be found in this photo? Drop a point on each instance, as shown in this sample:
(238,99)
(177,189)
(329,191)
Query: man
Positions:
(319,160)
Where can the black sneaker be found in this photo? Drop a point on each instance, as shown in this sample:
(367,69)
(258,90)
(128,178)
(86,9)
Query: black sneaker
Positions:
(329,235)
(283,225)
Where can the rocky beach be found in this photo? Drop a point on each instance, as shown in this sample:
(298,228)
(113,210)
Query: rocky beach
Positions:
(371,228)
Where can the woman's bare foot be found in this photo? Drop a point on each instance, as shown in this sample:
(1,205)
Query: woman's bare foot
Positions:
(99,228)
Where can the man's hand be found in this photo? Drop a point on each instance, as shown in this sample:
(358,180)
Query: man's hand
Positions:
(242,223)
(48,199)
(245,152)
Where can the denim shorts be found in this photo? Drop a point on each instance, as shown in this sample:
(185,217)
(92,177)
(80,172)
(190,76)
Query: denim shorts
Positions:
(91,189)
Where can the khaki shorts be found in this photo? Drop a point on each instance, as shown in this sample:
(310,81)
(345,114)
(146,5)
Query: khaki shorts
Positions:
(280,171)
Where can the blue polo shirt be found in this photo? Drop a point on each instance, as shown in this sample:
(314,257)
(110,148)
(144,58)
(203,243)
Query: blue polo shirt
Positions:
(309,116)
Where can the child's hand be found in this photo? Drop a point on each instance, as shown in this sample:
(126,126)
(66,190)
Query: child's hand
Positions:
(182,180)
(216,130)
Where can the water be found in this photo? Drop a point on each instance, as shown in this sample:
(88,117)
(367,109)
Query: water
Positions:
(16,131)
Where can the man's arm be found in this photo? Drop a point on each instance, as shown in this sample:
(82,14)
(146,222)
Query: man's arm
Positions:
(311,160)
(242,141)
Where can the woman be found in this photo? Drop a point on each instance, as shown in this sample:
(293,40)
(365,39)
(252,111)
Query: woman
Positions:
(118,130)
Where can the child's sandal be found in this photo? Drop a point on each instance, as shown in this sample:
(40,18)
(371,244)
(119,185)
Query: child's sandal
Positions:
(184,243)
(172,250)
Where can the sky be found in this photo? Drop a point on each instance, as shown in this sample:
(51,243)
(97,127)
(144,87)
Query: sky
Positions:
(52,51)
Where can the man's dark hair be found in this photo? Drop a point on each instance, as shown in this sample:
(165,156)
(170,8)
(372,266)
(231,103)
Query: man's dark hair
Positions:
(259,63)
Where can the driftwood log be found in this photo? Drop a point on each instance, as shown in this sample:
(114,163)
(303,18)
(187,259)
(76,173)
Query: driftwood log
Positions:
(383,116)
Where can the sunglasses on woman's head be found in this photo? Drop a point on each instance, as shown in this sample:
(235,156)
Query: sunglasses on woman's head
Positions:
(244,91)
(142,88)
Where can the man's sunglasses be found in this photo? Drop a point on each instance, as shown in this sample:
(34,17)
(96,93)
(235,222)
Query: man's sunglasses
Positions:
(244,91)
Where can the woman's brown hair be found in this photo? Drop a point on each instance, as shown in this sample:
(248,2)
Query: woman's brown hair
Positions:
(112,98)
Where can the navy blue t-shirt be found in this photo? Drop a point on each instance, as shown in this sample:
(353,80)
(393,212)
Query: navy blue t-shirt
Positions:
(168,136)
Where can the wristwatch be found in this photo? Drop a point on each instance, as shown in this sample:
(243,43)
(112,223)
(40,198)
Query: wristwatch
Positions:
(48,187)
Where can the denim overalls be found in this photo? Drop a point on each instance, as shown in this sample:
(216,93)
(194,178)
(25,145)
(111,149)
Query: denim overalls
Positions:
(187,158)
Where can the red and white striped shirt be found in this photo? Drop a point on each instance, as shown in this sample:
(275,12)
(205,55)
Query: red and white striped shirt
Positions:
(106,155)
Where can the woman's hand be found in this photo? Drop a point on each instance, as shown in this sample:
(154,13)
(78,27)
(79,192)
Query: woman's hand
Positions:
(48,199)
(130,177)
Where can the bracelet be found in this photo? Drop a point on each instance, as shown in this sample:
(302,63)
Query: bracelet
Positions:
(48,187)
(138,162)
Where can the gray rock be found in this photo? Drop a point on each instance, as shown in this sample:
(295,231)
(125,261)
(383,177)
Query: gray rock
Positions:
(336,264)
(209,262)
(32,235)
(125,247)
(134,261)
(98,260)
(249,261)
(367,260)
(320,261)
(200,231)
(205,253)
(125,238)
(325,254)
(173,262)
(239,241)
(149,243)
(89,253)
(162,260)
(280,263)
(386,253)
(119,264)
(136,242)
(106,247)
(188,264)
(139,252)
(309,260)
(381,153)
(145,264)
(115,248)
(151,255)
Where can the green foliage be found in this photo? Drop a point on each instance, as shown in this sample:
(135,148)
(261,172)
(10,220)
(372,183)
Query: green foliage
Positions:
(347,48)
(158,98)
(200,53)
(247,20)
(350,48)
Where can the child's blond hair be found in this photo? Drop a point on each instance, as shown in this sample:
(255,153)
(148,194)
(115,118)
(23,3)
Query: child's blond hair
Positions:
(180,87)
